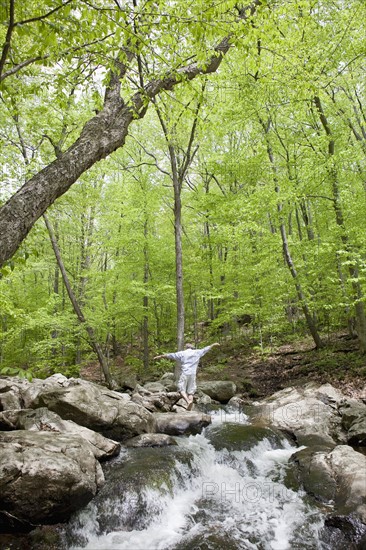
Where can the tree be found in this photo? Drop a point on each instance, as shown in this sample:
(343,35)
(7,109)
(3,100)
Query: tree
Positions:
(107,130)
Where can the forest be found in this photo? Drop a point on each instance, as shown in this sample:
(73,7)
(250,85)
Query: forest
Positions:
(178,171)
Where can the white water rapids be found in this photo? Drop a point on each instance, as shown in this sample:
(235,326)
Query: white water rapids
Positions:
(221,499)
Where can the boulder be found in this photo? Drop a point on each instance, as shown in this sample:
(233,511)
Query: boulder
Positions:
(44,420)
(219,390)
(337,475)
(109,412)
(168,381)
(354,421)
(11,389)
(37,386)
(154,387)
(157,402)
(307,412)
(151,440)
(44,477)
(181,423)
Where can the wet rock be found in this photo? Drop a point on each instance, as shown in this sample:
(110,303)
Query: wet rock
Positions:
(151,440)
(219,390)
(239,437)
(337,475)
(345,532)
(315,474)
(44,420)
(125,503)
(184,423)
(44,477)
(109,412)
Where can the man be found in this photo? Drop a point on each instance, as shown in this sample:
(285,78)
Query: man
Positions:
(187,361)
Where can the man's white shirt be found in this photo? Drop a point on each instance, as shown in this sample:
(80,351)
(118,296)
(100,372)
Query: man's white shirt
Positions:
(188,359)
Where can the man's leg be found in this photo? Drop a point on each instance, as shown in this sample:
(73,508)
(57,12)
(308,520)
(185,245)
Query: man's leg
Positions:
(191,388)
(182,387)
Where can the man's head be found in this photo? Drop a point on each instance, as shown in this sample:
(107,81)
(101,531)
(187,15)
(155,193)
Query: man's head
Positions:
(189,346)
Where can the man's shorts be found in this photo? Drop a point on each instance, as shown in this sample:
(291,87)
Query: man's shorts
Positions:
(187,383)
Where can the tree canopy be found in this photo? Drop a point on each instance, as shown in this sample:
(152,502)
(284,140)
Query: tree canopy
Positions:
(258,109)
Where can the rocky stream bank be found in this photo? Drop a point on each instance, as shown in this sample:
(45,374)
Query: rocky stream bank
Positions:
(56,436)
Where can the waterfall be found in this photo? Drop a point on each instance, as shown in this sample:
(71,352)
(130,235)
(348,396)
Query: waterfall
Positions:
(229,487)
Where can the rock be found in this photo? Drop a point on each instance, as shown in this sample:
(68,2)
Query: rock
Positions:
(352,410)
(123,503)
(168,381)
(344,532)
(44,477)
(337,475)
(128,382)
(241,437)
(157,402)
(167,376)
(305,412)
(354,421)
(315,474)
(37,386)
(357,433)
(178,424)
(154,387)
(11,389)
(220,390)
(44,420)
(151,440)
(236,402)
(109,412)
(203,398)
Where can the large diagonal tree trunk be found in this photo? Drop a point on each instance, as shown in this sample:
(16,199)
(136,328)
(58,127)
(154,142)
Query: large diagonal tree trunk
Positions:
(100,137)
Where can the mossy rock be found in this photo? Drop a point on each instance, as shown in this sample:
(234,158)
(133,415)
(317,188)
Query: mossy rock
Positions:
(242,437)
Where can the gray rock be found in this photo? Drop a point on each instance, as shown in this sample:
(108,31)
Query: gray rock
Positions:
(44,420)
(168,376)
(181,423)
(220,390)
(356,435)
(351,410)
(154,387)
(45,477)
(354,421)
(157,402)
(111,413)
(203,398)
(11,389)
(236,402)
(337,475)
(151,440)
(305,412)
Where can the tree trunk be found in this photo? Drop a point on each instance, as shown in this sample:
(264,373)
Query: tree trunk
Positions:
(92,339)
(286,250)
(353,271)
(145,301)
(179,265)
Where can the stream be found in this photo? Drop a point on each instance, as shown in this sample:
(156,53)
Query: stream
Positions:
(231,487)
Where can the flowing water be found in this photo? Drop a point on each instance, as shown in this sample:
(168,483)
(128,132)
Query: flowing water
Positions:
(228,488)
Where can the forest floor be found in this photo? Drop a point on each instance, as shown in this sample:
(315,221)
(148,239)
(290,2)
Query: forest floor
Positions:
(259,373)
